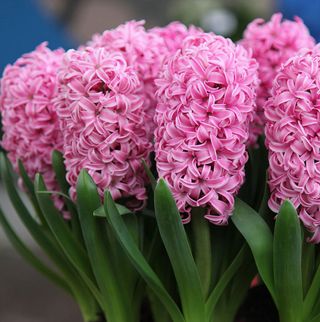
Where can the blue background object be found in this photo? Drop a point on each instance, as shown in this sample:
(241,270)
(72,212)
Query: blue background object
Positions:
(24,25)
(308,10)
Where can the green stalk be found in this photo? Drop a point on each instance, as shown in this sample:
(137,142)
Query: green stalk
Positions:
(287,264)
(138,260)
(312,296)
(308,263)
(222,313)
(60,172)
(159,313)
(218,246)
(315,311)
(223,282)
(87,304)
(115,300)
(316,318)
(30,192)
(202,248)
(176,242)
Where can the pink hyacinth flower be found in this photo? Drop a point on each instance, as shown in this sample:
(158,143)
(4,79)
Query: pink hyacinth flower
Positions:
(206,94)
(174,34)
(30,122)
(102,118)
(292,138)
(272,43)
(142,50)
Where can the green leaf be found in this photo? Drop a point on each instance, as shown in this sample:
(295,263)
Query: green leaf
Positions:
(25,252)
(159,314)
(254,160)
(177,245)
(261,165)
(315,310)
(151,177)
(240,284)
(58,193)
(202,247)
(125,272)
(259,237)
(138,260)
(223,283)
(30,191)
(263,207)
(116,303)
(161,265)
(46,241)
(60,173)
(123,210)
(315,319)
(71,247)
(218,246)
(308,265)
(99,212)
(287,264)
(312,298)
(133,227)
(35,230)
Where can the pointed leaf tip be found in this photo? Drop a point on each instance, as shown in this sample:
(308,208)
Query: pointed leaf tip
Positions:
(150,175)
(85,181)
(56,155)
(287,206)
(162,186)
(38,182)
(178,249)
(83,175)
(107,196)
(287,259)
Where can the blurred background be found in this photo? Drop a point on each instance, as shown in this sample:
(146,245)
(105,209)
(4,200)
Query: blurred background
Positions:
(25,296)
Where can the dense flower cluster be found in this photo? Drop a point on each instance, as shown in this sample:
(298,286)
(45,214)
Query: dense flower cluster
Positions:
(272,43)
(30,123)
(144,51)
(292,137)
(102,117)
(141,49)
(206,94)
(174,34)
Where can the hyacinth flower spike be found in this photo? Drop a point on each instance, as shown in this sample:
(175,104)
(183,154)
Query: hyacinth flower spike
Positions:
(102,113)
(272,43)
(190,158)
(79,247)
(286,259)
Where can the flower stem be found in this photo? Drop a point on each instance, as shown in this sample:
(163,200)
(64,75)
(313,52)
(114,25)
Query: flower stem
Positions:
(202,247)
(87,304)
